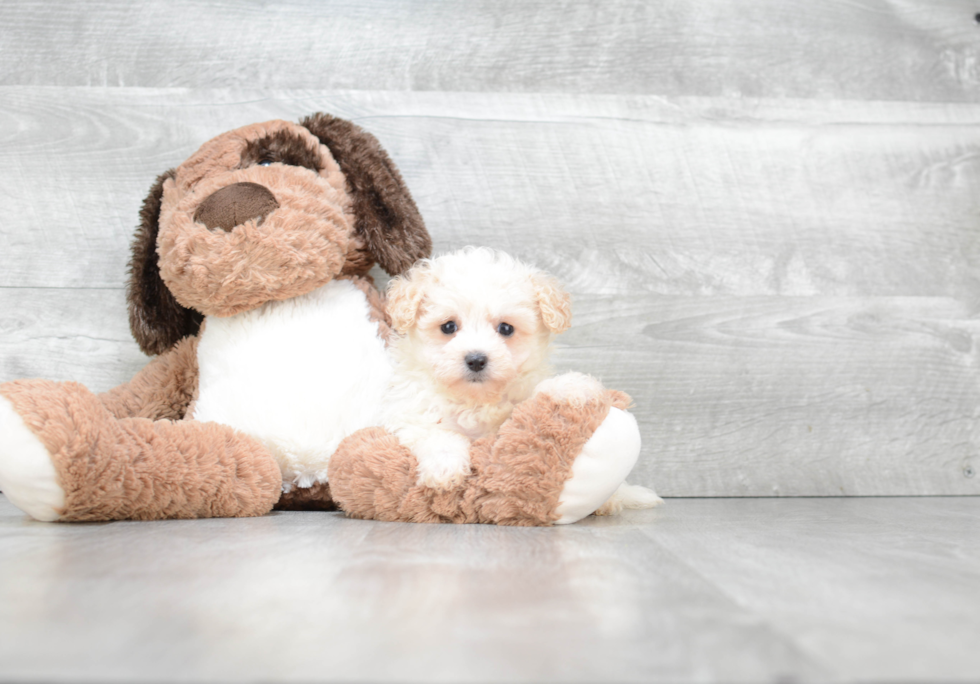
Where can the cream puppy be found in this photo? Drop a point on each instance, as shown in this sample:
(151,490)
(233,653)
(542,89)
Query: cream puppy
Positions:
(475,328)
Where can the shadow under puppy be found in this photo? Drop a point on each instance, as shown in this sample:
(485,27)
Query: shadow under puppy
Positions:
(475,329)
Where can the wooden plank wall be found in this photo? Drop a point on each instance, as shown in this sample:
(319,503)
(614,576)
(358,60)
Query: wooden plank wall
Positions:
(767,212)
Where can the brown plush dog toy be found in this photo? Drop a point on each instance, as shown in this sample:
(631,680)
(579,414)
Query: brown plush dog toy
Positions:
(249,284)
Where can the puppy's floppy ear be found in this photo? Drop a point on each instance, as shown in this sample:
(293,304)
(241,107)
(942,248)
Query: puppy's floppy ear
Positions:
(156,320)
(405,294)
(385,213)
(554,302)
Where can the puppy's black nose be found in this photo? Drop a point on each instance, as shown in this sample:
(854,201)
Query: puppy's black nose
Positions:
(476,361)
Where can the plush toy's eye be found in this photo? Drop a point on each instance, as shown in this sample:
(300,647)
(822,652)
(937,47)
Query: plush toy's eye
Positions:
(282,147)
(505,329)
(449,327)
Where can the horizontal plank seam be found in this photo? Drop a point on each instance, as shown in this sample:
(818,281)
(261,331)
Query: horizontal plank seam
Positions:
(61,287)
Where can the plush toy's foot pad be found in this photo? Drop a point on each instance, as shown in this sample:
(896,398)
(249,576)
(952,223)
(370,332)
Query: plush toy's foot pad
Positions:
(629,496)
(605,461)
(27,475)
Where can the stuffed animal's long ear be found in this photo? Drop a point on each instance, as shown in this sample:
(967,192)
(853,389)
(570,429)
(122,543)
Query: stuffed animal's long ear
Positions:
(404,296)
(156,320)
(554,302)
(385,213)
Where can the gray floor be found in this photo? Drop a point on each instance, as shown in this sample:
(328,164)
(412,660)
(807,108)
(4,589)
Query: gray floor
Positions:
(701,590)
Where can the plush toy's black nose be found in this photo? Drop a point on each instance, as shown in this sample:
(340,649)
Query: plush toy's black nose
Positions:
(235,204)
(476,361)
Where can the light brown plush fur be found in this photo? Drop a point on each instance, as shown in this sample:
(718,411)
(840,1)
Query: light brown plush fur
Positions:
(367,216)
(516,475)
(298,247)
(141,469)
(164,388)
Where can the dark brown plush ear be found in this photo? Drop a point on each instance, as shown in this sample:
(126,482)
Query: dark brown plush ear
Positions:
(386,216)
(157,321)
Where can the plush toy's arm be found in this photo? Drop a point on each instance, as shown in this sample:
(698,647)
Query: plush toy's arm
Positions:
(163,389)
(376,304)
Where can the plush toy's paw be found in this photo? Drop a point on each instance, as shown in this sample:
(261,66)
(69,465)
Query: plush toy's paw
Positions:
(577,389)
(629,496)
(605,461)
(443,460)
(27,475)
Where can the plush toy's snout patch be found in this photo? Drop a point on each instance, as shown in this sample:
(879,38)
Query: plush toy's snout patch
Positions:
(235,204)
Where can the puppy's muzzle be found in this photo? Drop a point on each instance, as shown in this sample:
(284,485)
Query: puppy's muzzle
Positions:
(235,204)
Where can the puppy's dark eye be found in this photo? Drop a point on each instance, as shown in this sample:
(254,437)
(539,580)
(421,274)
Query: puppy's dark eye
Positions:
(505,329)
(449,327)
(265,162)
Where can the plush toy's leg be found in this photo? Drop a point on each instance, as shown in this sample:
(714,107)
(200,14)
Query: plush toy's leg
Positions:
(558,458)
(64,457)
(27,475)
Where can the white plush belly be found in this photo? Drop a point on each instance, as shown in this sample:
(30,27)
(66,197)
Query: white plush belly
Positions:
(299,375)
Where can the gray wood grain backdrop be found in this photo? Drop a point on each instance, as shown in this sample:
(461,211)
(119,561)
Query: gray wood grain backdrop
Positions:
(767,212)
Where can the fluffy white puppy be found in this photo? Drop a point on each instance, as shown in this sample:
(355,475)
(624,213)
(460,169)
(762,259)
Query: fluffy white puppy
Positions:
(475,328)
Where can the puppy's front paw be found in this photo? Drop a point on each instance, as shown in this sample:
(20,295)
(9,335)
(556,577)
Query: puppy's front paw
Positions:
(443,461)
(575,388)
